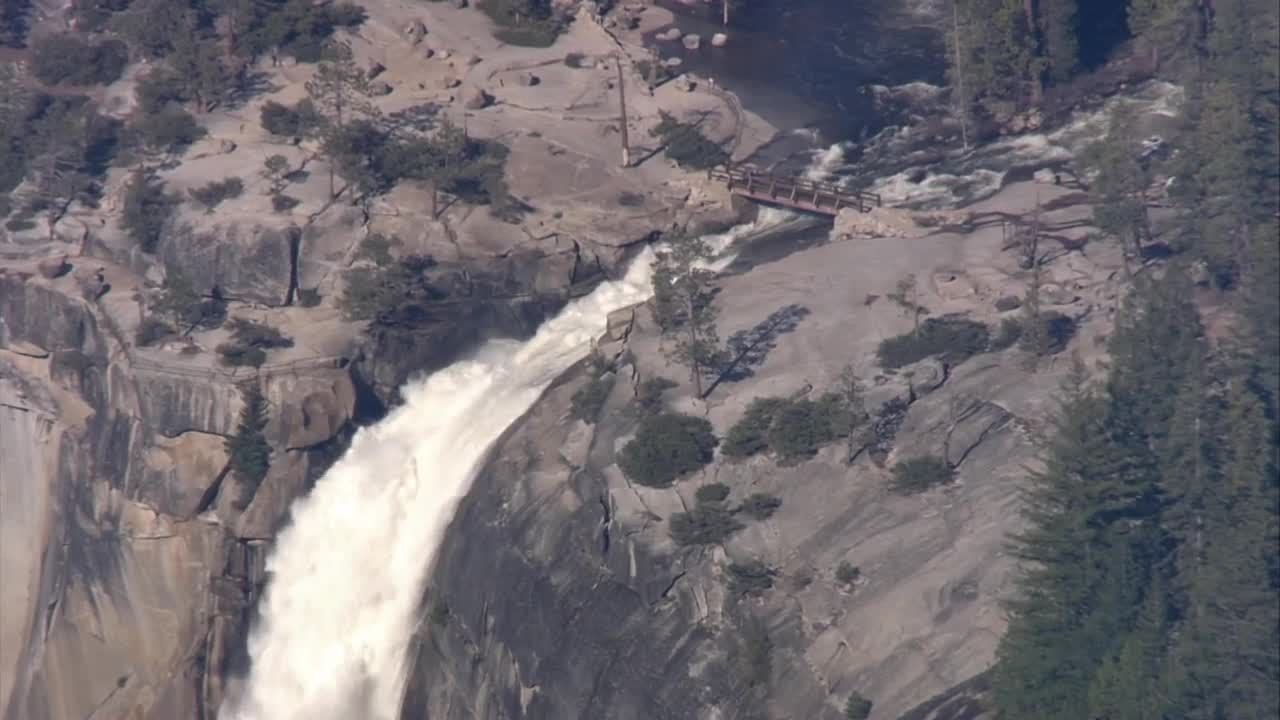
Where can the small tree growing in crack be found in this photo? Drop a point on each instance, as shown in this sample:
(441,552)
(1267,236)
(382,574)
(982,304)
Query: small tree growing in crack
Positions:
(249,454)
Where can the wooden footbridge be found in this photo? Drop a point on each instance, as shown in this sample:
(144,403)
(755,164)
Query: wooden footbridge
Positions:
(792,191)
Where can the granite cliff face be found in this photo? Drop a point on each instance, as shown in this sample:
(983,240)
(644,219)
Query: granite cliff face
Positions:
(559,592)
(135,555)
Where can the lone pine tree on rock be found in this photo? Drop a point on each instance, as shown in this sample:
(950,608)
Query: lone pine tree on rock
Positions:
(249,453)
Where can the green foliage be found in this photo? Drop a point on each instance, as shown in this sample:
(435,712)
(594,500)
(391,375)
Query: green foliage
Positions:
(920,474)
(667,447)
(524,23)
(683,294)
(1120,182)
(158,89)
(202,72)
(384,294)
(753,657)
(147,210)
(750,435)
(712,493)
(186,307)
(760,506)
(283,203)
(152,330)
(649,394)
(170,130)
(706,524)
(954,340)
(14,18)
(801,427)
(298,120)
(792,430)
(590,398)
(248,452)
(298,28)
(69,58)
(847,573)
(212,194)
(857,707)
(250,342)
(687,145)
(376,248)
(1149,579)
(1056,330)
(750,578)
(94,15)
(996,49)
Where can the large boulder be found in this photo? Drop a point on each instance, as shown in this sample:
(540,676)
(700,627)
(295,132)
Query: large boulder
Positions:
(474,98)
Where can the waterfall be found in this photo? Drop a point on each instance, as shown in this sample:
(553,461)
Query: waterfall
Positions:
(346,576)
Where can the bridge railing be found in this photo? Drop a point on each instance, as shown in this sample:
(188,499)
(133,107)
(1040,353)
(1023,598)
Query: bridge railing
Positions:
(794,191)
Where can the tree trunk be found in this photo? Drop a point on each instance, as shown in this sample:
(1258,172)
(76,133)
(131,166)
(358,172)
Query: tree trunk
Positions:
(962,102)
(1037,85)
(725,5)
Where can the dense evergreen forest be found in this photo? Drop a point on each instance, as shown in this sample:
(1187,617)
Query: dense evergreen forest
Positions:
(1151,588)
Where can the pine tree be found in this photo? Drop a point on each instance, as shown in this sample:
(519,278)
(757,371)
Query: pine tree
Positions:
(1231,654)
(340,91)
(249,454)
(1058,25)
(1120,184)
(1048,656)
(1130,684)
(1166,27)
(683,296)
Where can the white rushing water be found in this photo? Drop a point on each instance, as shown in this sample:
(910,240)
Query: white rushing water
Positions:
(346,576)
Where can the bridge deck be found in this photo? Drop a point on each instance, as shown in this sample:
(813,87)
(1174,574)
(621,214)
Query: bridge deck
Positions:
(793,192)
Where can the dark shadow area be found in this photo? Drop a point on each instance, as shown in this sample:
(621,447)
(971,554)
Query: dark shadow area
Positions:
(1103,27)
(775,246)
(747,349)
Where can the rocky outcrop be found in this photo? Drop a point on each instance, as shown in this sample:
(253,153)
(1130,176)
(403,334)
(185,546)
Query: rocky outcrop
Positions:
(559,592)
(138,593)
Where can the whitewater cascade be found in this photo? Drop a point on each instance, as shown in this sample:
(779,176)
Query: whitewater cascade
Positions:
(346,576)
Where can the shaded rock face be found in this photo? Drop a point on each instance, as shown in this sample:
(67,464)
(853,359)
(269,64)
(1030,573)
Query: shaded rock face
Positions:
(131,575)
(565,621)
(506,297)
(250,261)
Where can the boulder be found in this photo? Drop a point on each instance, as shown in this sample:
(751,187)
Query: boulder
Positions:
(448,82)
(673,62)
(54,267)
(474,98)
(692,41)
(226,147)
(1044,176)
(375,69)
(1008,302)
(670,35)
(684,83)
(415,31)
(380,89)
(528,79)
(429,53)
(473,60)
(719,40)
(924,376)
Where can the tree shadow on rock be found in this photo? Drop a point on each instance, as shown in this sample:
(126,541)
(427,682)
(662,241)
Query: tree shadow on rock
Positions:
(747,349)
